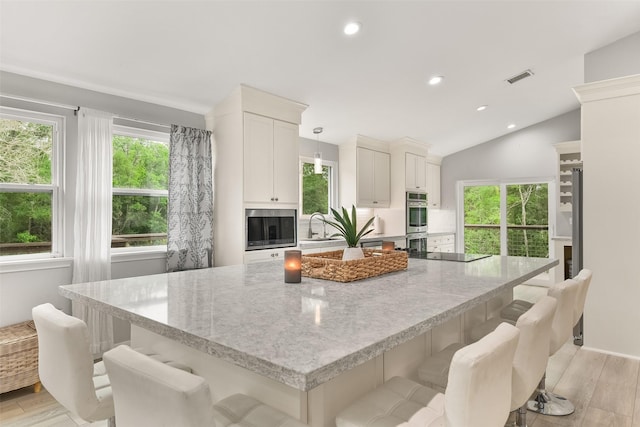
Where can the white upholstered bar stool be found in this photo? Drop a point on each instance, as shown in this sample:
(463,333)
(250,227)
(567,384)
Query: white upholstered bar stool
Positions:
(478,395)
(66,367)
(566,293)
(545,402)
(515,308)
(529,362)
(150,393)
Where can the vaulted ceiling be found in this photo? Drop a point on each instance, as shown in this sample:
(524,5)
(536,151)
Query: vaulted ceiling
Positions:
(192,54)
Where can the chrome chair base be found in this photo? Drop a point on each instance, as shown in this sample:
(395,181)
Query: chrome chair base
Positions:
(547,403)
(517,418)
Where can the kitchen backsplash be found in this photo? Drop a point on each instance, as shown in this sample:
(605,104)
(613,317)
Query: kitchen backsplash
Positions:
(442,220)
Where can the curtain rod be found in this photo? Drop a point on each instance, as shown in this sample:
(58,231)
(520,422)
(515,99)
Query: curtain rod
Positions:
(37,101)
(76,108)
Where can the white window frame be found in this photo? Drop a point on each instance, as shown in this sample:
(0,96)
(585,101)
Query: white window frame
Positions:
(333,184)
(153,136)
(57,180)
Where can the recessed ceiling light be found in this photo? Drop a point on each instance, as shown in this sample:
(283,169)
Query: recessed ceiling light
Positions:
(352,28)
(481,108)
(435,80)
(511,126)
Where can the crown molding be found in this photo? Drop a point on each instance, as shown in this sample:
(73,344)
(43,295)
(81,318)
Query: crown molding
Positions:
(606,89)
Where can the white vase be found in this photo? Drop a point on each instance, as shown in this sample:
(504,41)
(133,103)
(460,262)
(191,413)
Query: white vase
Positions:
(352,253)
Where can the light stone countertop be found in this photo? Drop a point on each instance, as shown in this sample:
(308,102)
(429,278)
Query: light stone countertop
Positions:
(302,334)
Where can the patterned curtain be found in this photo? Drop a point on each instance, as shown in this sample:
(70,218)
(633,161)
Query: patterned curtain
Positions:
(190,206)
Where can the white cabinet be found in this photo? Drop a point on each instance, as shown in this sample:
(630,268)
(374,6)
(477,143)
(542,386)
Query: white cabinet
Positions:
(372,180)
(251,257)
(415,172)
(433,185)
(270,160)
(256,136)
(365,173)
(408,170)
(568,158)
(441,243)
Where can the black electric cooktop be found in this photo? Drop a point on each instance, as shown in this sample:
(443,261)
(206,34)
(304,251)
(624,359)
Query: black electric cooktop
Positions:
(447,256)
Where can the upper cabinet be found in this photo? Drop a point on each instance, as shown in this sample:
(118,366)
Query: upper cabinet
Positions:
(415,172)
(569,157)
(270,160)
(372,178)
(365,173)
(409,169)
(433,182)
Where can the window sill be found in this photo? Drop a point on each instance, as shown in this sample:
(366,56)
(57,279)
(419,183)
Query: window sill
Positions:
(21,265)
(33,264)
(138,254)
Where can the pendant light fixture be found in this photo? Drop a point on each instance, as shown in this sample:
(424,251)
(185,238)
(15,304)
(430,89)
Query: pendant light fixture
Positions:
(317,156)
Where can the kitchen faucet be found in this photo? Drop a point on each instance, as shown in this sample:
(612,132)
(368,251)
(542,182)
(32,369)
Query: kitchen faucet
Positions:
(310,232)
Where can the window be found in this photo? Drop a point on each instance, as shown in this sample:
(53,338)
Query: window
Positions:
(318,190)
(140,183)
(30,177)
(507,219)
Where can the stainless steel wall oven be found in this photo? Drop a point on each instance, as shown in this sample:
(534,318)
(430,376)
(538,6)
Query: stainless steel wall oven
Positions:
(416,212)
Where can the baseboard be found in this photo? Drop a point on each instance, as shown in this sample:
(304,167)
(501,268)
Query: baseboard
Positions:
(611,353)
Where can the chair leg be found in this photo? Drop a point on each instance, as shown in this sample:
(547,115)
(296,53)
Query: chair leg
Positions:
(547,403)
(521,416)
(111,422)
(518,418)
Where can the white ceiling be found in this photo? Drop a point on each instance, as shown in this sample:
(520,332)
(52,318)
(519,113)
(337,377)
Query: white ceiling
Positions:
(190,55)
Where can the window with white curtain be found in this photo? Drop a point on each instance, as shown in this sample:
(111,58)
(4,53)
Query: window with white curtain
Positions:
(140,187)
(31,171)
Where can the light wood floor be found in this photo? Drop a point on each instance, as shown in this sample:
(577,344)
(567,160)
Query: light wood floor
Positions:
(604,388)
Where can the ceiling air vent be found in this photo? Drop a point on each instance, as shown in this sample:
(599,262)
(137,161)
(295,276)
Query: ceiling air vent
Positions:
(518,77)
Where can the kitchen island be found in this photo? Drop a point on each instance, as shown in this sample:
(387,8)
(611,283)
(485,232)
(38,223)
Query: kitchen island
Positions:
(309,348)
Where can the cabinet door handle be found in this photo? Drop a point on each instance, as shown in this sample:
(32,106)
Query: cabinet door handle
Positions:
(375,201)
(276,199)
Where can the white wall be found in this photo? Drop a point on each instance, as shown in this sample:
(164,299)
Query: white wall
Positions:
(610,152)
(527,153)
(308,147)
(621,58)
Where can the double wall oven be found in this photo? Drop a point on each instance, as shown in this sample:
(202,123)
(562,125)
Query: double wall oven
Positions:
(417,221)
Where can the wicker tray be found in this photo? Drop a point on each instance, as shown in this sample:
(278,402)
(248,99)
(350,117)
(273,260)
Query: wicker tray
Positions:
(329,265)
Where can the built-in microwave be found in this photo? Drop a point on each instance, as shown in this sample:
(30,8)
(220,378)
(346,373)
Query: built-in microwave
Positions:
(270,228)
(416,212)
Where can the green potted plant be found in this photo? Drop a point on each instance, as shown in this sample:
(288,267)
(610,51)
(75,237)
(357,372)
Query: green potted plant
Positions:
(347,227)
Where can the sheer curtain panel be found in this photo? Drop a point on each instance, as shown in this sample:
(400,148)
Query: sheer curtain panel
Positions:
(92,218)
(190,206)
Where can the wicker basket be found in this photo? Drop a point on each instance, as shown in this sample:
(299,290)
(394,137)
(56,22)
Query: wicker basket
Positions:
(18,356)
(329,265)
